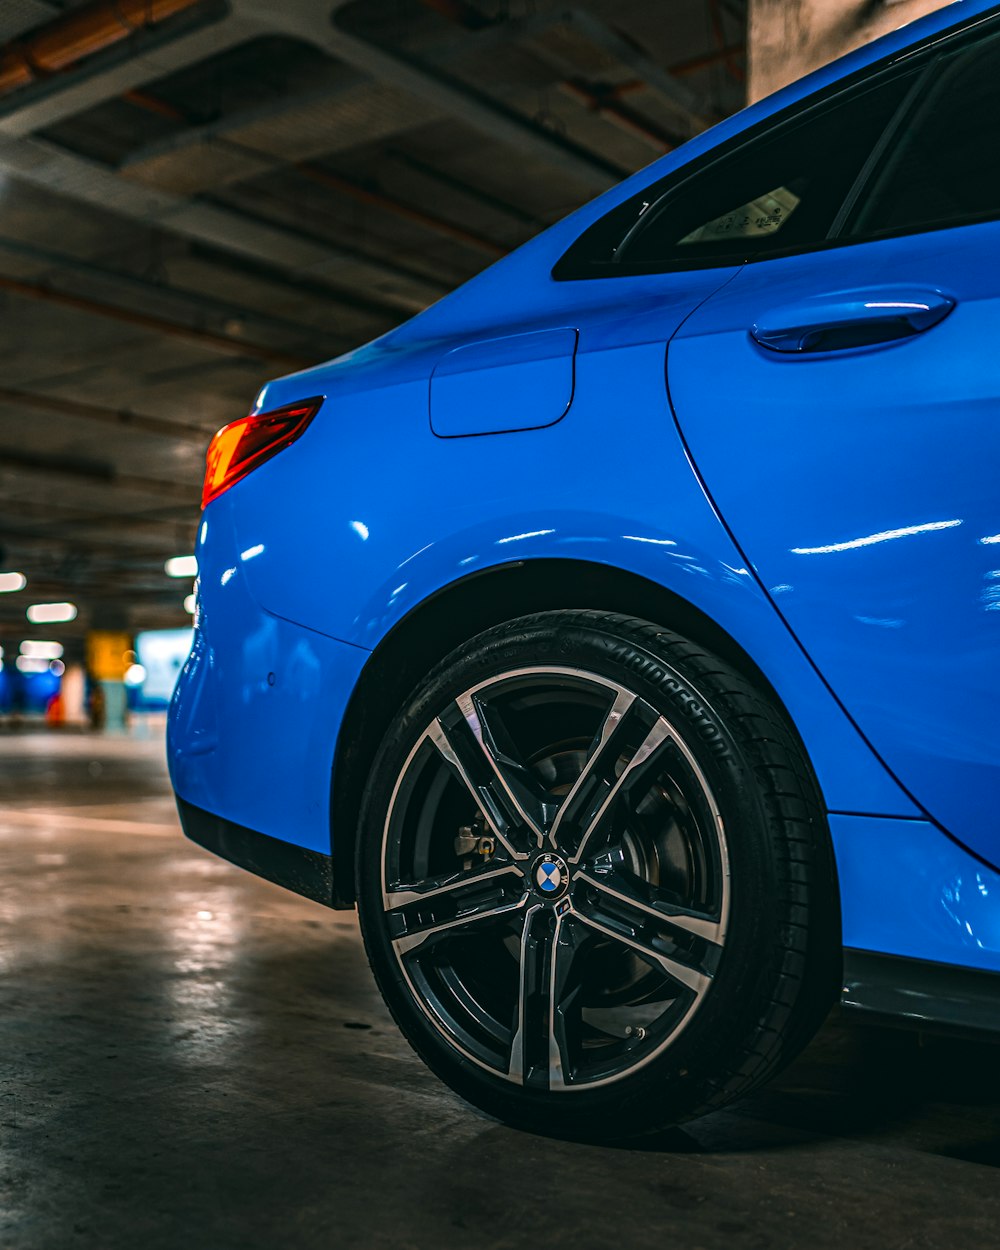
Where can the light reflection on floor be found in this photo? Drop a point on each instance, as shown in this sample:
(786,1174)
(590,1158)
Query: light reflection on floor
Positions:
(194,1058)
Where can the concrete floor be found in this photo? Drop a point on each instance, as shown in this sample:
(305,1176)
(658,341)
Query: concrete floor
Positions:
(193,1058)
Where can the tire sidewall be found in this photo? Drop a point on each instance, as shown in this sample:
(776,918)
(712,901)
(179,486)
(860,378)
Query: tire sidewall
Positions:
(681,1079)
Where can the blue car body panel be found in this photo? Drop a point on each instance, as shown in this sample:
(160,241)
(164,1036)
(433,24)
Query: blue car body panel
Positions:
(884,552)
(386,547)
(908,889)
(523,418)
(255,712)
(518,382)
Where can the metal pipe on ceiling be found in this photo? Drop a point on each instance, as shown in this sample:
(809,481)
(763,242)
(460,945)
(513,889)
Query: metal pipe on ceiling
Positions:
(160,325)
(291,253)
(198,307)
(598,97)
(79,34)
(94,474)
(698,63)
(363,193)
(288,251)
(123,417)
(379,199)
(485,199)
(51,521)
(734,66)
(606,105)
(304,19)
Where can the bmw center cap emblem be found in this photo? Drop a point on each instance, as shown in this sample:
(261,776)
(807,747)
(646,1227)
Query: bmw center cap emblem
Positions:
(551,876)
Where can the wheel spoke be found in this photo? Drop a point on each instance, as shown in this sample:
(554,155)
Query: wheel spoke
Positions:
(564,944)
(420,914)
(451,885)
(559,961)
(539,1054)
(662,938)
(595,771)
(533,957)
(480,789)
(476,747)
(517,784)
(633,895)
(660,734)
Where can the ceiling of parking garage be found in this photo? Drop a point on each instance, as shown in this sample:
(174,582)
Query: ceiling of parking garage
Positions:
(196,196)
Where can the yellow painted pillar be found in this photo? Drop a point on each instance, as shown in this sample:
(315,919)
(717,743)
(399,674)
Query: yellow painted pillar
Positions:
(109,653)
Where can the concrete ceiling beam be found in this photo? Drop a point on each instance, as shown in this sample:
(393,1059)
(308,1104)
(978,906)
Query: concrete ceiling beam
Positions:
(148,55)
(44,164)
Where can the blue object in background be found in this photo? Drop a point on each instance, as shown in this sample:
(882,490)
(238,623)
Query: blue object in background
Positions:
(801,446)
(161,653)
(26,693)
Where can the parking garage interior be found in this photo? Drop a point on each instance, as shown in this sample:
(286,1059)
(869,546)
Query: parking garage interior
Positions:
(195,197)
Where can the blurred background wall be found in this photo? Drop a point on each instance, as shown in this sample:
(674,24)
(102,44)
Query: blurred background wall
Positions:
(789,38)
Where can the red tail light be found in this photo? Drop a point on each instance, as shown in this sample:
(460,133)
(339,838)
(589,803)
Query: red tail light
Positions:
(241,446)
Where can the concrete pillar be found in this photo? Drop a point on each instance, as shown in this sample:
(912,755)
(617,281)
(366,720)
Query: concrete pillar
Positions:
(789,38)
(108,656)
(115,711)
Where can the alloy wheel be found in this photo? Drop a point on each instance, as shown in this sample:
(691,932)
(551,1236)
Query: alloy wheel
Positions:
(555,878)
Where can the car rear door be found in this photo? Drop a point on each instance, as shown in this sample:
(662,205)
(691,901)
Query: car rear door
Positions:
(842,407)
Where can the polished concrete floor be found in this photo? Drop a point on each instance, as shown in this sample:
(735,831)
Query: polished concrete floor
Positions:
(192,1058)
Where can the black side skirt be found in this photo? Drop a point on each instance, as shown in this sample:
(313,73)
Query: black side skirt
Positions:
(309,873)
(889,989)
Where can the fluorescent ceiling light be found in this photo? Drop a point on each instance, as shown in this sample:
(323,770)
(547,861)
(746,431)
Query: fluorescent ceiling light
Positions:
(31,664)
(39,650)
(12,581)
(50,613)
(181,566)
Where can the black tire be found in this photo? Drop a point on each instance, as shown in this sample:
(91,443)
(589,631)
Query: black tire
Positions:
(721,1009)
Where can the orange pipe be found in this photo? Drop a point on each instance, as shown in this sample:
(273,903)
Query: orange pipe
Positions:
(147,321)
(80,34)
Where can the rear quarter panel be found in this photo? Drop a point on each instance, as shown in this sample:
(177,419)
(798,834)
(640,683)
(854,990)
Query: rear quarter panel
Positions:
(370,513)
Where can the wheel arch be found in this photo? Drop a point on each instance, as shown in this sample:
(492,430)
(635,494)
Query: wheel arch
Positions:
(462,609)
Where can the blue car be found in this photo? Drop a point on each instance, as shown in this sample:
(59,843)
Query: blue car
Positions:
(622,634)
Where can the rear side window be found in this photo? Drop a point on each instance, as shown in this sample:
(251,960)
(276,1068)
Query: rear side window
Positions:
(944,170)
(779,192)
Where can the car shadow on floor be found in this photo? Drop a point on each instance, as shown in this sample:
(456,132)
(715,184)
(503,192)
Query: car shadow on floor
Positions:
(937,1094)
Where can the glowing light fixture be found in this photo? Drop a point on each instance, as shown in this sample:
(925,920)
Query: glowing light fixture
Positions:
(50,613)
(181,566)
(39,650)
(135,675)
(12,581)
(189,604)
(31,664)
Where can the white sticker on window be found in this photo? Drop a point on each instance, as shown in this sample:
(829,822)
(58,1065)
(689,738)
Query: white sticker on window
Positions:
(761,217)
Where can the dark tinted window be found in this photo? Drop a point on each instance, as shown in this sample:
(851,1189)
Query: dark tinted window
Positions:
(943,170)
(781,191)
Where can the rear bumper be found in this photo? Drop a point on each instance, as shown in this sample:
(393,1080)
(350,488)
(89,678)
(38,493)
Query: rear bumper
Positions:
(309,873)
(257,710)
